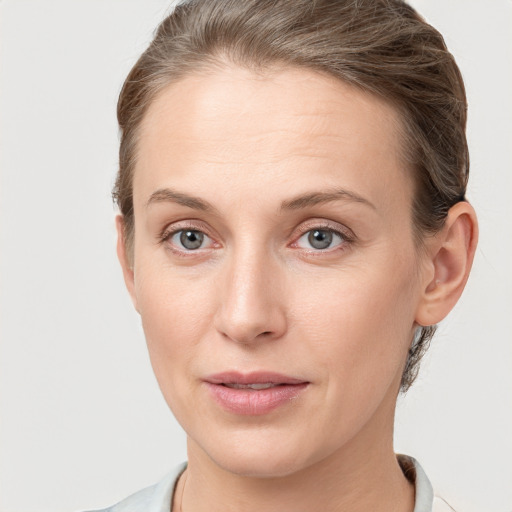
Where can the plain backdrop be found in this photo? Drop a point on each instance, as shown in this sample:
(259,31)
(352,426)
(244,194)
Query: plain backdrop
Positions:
(82,422)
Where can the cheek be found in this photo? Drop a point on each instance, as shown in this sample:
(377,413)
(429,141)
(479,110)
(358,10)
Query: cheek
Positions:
(361,359)
(176,313)
(360,325)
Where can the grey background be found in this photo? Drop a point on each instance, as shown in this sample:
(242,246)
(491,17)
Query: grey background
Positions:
(82,422)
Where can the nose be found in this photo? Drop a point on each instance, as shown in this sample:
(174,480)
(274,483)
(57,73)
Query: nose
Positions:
(251,306)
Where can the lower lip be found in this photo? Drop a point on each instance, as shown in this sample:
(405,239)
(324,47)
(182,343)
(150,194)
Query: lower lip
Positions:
(255,402)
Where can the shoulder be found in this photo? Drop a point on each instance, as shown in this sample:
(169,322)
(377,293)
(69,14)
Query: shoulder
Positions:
(426,500)
(156,498)
(440,505)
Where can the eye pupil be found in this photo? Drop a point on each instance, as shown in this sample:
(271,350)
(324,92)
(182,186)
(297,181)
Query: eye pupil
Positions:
(191,239)
(320,238)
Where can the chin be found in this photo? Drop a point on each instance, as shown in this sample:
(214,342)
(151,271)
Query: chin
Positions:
(265,455)
(268,465)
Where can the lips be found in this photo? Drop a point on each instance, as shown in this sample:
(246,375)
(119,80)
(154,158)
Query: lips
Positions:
(254,393)
(256,387)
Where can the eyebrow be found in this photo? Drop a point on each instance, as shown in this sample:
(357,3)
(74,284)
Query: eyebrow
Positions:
(314,198)
(165,195)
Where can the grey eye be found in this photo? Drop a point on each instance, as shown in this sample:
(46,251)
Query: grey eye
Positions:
(320,238)
(190,239)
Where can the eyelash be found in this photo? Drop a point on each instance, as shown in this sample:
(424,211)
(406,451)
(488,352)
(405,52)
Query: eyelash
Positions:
(346,235)
(168,233)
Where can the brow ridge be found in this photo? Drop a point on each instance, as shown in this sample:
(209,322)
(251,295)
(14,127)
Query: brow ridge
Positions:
(164,195)
(303,201)
(314,198)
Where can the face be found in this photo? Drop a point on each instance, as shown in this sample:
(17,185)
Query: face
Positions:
(274,265)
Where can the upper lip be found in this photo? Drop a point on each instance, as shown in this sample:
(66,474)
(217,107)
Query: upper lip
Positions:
(259,377)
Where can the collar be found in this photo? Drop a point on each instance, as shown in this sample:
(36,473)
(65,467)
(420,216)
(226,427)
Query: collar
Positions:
(158,497)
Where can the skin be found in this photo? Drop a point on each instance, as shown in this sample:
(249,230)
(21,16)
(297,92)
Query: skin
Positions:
(258,296)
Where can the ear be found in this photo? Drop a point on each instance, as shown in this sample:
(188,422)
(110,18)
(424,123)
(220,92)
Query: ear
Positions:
(450,256)
(125,260)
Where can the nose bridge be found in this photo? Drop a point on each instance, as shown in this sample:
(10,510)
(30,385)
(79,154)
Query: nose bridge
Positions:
(250,307)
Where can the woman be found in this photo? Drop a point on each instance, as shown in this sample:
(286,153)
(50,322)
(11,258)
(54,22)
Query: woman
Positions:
(293,225)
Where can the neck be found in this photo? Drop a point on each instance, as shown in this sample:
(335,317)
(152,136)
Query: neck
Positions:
(363,475)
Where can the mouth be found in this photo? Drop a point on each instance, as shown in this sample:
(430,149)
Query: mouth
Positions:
(254,393)
(254,386)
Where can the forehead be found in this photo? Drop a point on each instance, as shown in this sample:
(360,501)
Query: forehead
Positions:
(235,124)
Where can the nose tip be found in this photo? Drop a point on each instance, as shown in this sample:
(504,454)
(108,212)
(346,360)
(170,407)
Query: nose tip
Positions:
(250,306)
(246,333)
(250,322)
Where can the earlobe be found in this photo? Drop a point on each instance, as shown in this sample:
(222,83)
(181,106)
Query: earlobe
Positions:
(450,253)
(125,260)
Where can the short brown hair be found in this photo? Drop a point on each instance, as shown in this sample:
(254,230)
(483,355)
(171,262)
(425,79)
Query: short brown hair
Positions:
(380,46)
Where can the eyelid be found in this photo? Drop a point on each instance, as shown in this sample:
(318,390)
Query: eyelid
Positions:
(198,225)
(189,224)
(180,225)
(311,224)
(347,236)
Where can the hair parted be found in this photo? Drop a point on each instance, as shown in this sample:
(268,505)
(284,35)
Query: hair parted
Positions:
(380,46)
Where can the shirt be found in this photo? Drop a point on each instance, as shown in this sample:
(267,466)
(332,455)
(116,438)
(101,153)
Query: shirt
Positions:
(158,497)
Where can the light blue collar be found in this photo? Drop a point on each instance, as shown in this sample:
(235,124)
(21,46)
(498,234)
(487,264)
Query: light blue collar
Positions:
(158,497)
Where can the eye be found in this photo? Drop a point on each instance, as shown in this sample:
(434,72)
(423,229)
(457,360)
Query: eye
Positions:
(190,239)
(320,239)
